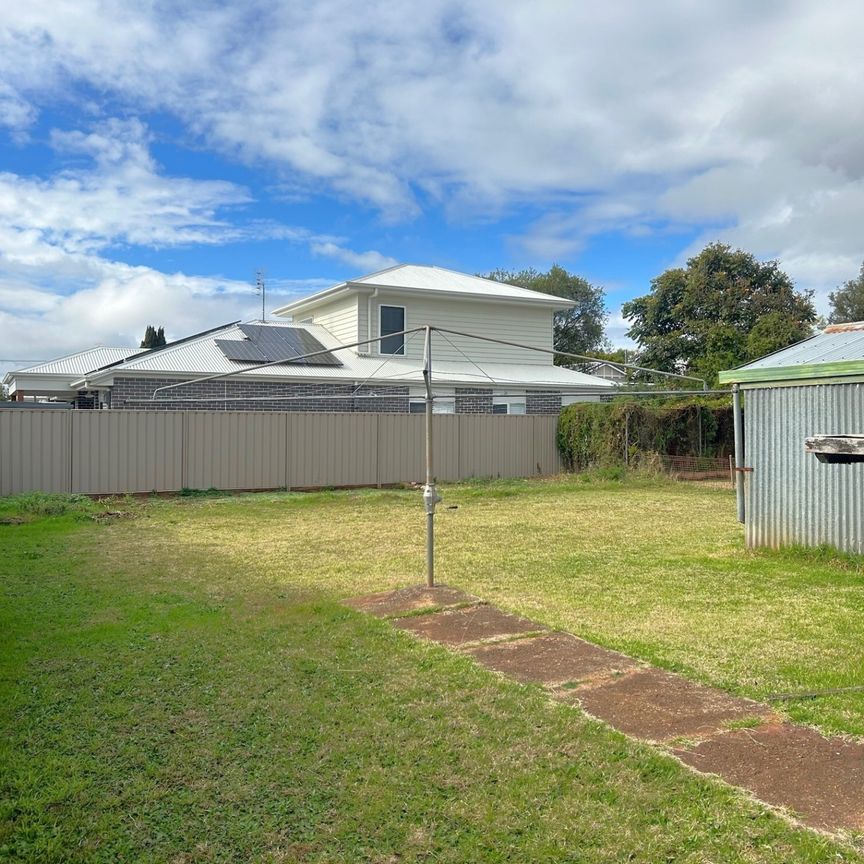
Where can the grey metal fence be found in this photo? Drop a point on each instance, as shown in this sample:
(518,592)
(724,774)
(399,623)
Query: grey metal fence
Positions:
(115,452)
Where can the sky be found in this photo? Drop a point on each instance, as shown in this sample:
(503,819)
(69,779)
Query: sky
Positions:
(154,155)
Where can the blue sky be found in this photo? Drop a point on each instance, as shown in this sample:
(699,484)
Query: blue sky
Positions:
(153,158)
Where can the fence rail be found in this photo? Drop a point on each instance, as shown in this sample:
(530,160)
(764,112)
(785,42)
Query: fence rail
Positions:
(117,452)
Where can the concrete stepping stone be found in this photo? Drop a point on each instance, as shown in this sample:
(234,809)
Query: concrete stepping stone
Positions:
(406,600)
(552,659)
(820,779)
(658,706)
(461,626)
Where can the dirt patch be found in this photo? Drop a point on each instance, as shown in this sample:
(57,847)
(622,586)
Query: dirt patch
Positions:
(462,626)
(553,659)
(658,706)
(820,779)
(12,520)
(405,600)
(111,515)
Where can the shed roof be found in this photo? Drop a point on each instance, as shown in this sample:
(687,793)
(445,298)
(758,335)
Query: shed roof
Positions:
(436,280)
(835,352)
(200,356)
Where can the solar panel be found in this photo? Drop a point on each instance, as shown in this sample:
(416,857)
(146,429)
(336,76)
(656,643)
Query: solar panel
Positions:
(240,350)
(283,343)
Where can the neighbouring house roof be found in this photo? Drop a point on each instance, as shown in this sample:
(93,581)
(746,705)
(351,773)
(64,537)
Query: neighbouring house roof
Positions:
(201,355)
(76,364)
(838,351)
(424,279)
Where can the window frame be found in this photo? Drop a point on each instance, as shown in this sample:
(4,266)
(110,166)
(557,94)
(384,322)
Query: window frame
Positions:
(381,336)
(445,397)
(508,402)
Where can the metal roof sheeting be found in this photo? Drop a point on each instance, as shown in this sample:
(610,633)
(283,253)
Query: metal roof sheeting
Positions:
(825,347)
(437,280)
(834,345)
(79,363)
(202,356)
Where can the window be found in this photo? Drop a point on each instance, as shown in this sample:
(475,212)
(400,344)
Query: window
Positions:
(508,404)
(443,403)
(392,320)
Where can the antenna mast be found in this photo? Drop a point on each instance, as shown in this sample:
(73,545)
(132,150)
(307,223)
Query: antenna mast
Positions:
(261,290)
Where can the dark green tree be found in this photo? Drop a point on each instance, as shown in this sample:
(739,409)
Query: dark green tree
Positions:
(723,309)
(847,302)
(4,393)
(579,330)
(153,338)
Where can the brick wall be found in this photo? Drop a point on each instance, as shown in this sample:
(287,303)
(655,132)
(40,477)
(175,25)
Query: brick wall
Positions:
(237,395)
(234,395)
(473,400)
(542,402)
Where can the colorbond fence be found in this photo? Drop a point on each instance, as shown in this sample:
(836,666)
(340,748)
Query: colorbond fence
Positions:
(115,452)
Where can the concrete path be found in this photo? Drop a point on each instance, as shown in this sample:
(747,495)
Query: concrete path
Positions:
(819,781)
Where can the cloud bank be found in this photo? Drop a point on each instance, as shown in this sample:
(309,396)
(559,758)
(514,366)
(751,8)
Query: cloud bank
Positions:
(742,120)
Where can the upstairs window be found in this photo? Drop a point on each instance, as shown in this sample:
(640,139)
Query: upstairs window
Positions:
(392,320)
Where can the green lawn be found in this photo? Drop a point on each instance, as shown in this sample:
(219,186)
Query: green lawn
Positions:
(182,686)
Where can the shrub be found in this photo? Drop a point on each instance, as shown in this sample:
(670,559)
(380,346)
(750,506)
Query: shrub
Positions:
(630,432)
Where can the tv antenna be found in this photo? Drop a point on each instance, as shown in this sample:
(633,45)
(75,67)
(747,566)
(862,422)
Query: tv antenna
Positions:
(261,291)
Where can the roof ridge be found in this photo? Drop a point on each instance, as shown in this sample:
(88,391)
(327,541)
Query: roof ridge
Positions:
(149,352)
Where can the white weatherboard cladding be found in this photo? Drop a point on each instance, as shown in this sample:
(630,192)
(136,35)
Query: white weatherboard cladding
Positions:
(510,322)
(340,318)
(792,497)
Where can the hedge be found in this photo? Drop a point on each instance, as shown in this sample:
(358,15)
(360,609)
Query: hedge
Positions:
(599,435)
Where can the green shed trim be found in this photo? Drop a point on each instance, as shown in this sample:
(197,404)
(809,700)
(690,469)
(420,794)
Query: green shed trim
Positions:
(797,372)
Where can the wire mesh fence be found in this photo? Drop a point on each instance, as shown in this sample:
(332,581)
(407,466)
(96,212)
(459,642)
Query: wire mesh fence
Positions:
(698,468)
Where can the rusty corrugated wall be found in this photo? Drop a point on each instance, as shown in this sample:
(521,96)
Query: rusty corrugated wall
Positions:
(111,452)
(791,497)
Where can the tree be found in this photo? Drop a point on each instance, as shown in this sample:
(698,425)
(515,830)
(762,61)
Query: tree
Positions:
(578,330)
(847,302)
(723,309)
(153,338)
(4,393)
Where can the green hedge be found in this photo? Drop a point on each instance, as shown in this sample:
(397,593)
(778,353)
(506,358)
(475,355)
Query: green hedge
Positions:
(592,435)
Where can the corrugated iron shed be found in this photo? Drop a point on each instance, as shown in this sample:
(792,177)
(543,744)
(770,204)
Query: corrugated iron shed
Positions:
(813,388)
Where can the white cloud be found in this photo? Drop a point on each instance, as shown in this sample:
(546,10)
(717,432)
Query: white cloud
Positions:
(738,115)
(365,262)
(60,290)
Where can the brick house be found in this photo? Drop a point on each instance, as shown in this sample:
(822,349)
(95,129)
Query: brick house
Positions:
(470,375)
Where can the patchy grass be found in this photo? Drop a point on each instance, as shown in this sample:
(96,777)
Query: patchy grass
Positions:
(657,570)
(182,686)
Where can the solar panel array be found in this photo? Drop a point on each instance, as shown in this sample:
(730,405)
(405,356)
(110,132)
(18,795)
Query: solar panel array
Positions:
(268,344)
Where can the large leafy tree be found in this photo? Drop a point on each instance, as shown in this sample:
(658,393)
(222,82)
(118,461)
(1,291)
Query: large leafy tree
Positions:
(579,330)
(847,302)
(723,309)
